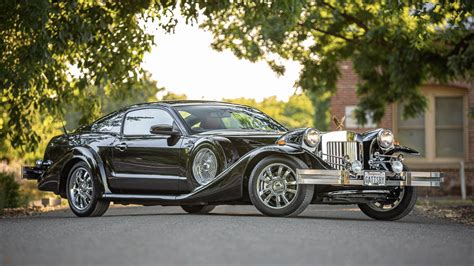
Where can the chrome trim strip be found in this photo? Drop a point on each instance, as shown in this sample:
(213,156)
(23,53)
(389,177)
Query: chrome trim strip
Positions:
(145,176)
(138,197)
(423,174)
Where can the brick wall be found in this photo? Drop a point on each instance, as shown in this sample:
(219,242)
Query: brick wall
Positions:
(346,95)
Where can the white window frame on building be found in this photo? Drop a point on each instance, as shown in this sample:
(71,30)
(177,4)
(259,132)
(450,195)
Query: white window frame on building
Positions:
(351,120)
(431,92)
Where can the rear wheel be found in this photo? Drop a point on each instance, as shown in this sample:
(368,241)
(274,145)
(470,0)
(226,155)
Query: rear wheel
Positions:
(83,192)
(273,187)
(400,204)
(198,209)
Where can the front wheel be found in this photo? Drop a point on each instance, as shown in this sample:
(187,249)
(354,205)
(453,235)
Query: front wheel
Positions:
(83,192)
(401,203)
(274,190)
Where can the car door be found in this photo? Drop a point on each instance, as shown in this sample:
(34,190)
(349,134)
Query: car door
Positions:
(144,162)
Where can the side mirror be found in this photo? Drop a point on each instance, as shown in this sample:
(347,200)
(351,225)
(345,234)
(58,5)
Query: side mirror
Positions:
(164,129)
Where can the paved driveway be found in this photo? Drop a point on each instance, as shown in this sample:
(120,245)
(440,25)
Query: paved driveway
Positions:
(322,235)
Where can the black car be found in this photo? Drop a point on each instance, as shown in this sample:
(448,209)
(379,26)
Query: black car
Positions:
(198,154)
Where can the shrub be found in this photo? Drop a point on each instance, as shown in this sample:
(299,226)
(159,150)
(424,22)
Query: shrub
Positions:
(9,191)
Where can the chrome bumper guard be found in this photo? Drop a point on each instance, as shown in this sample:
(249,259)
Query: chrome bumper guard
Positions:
(346,178)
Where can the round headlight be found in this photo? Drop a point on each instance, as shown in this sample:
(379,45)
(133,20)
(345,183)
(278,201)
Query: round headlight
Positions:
(356,166)
(312,137)
(397,166)
(385,139)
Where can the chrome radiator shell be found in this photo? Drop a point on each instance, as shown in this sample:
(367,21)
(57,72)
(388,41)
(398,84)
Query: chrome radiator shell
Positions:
(336,145)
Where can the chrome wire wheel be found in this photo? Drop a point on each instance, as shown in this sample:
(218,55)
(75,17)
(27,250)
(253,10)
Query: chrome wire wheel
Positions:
(277,186)
(205,166)
(81,188)
(386,206)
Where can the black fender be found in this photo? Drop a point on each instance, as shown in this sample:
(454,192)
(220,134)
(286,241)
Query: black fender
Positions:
(309,158)
(55,176)
(290,150)
(196,146)
(402,149)
(216,143)
(230,184)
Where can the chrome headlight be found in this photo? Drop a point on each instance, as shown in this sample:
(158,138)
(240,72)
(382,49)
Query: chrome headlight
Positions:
(356,166)
(312,137)
(385,139)
(397,166)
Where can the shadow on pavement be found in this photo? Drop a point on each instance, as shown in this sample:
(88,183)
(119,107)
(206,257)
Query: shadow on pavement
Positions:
(69,215)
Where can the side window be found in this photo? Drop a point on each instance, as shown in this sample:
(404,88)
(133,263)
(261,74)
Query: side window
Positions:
(109,124)
(139,122)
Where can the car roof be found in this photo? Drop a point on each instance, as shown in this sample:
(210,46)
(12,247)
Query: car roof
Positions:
(183,103)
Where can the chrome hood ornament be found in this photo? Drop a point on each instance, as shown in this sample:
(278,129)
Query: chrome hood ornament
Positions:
(339,123)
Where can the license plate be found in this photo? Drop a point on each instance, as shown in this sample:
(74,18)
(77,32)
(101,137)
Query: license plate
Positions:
(374,178)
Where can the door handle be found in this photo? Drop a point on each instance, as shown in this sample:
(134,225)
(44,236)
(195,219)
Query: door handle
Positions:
(121,146)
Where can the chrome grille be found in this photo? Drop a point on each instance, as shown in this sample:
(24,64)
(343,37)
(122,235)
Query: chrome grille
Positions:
(336,150)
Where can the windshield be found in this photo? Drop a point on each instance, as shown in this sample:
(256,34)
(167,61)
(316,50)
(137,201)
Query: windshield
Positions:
(202,118)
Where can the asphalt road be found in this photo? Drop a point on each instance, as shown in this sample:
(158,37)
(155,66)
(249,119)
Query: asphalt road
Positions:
(322,235)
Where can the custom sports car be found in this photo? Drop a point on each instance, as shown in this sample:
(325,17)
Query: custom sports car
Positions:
(198,154)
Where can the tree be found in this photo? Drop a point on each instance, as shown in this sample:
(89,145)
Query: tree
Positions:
(42,41)
(295,113)
(84,110)
(394,45)
(95,103)
(171,96)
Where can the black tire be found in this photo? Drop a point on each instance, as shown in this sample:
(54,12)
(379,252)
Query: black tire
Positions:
(296,205)
(405,206)
(198,209)
(97,206)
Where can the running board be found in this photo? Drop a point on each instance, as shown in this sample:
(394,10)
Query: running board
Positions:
(114,196)
(154,199)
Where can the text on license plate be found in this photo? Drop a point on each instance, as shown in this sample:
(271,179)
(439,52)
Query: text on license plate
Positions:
(374,178)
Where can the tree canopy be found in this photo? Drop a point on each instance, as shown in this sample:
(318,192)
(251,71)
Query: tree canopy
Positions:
(297,112)
(394,45)
(52,52)
(94,103)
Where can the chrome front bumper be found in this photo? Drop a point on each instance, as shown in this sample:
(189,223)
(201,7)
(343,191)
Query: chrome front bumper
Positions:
(345,178)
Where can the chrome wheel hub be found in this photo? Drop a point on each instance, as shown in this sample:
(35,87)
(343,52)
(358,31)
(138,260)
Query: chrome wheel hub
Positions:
(205,166)
(277,186)
(81,189)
